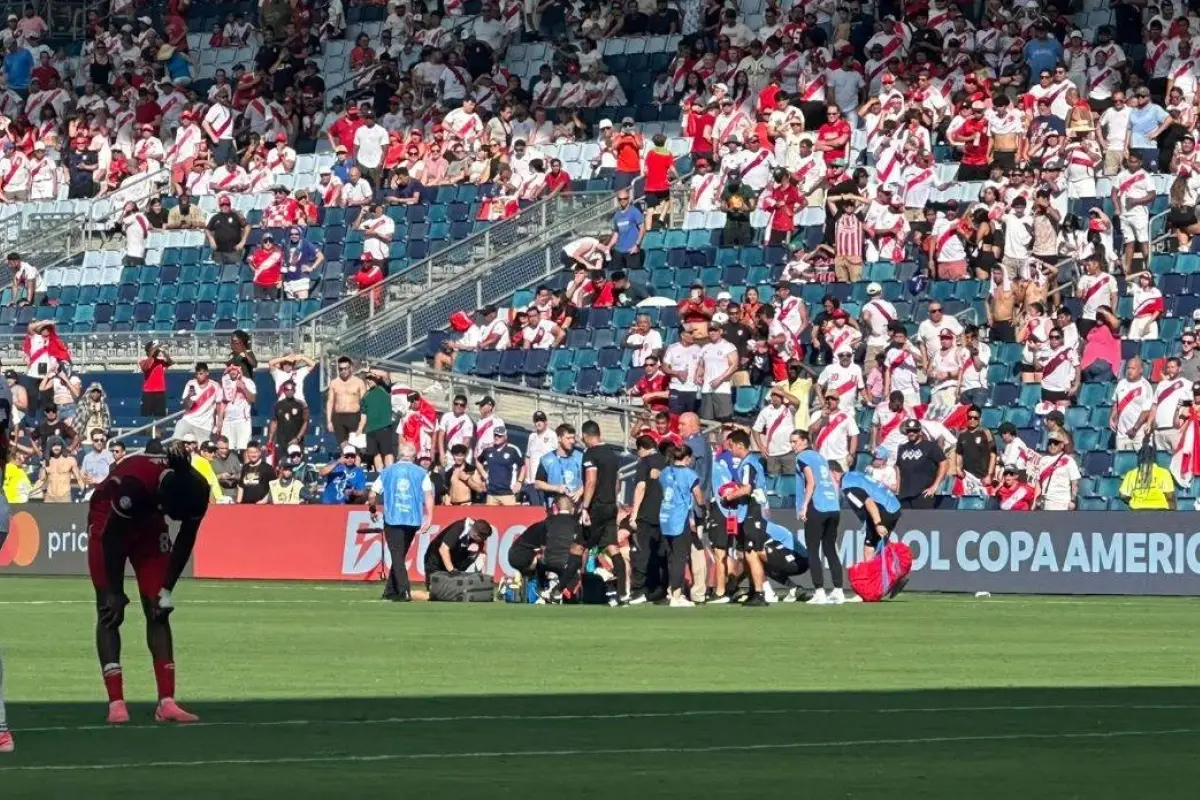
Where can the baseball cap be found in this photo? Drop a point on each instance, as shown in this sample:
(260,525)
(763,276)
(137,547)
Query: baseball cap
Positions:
(874,288)
(208,446)
(539,416)
(912,426)
(349,450)
(190,438)
(605,123)
(499,430)
(487,400)
(724,296)
(295,450)
(882,453)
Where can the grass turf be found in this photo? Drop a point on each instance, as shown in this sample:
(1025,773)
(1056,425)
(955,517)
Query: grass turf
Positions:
(317,691)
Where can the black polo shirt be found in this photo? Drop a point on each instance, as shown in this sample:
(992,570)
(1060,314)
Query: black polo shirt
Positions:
(603,459)
(917,463)
(226,228)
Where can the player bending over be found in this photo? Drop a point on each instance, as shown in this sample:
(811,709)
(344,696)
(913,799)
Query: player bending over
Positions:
(875,506)
(127,521)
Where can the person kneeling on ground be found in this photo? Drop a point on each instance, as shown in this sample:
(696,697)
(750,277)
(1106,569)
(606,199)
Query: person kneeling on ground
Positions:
(452,552)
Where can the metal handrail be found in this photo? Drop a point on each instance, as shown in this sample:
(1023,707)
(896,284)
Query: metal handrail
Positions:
(149,428)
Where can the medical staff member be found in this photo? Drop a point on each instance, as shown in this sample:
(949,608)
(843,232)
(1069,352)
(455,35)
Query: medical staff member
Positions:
(784,558)
(747,495)
(407,493)
(560,472)
(875,506)
(819,507)
(682,501)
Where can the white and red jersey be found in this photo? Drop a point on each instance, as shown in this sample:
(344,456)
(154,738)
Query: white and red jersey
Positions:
(892,42)
(1058,368)
(14,172)
(791,314)
(844,382)
(1018,455)
(466,128)
(878,313)
(918,184)
(187,142)
(888,424)
(485,432)
(891,232)
(889,162)
(545,93)
(833,437)
(1113,53)
(1167,395)
(43,179)
(539,336)
(198,182)
(947,364)
(1095,291)
(228,178)
(151,149)
(972,376)
(238,395)
(789,66)
(331,192)
(456,429)
(53,98)
(1147,302)
(1018,497)
(1132,399)
(260,179)
(281,160)
(281,213)
(1055,474)
(947,243)
(901,363)
(704,191)
(377,237)
(171,105)
(844,339)
(572,95)
(727,126)
(202,407)
(220,123)
(1056,94)
(791,347)
(1133,186)
(137,229)
(1038,335)
(776,426)
(810,172)
(1158,58)
(1102,82)
(267,265)
(455,83)
(813,84)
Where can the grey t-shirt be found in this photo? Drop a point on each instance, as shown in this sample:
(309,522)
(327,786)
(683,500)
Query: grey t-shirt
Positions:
(229,464)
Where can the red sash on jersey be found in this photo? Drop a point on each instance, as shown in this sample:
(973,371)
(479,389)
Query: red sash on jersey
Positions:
(833,423)
(758,159)
(1015,497)
(731,126)
(544,93)
(1097,81)
(221,129)
(1170,390)
(1082,158)
(804,169)
(228,179)
(483,428)
(815,85)
(848,386)
(774,426)
(944,239)
(200,402)
(466,128)
(889,427)
(1152,58)
(1150,307)
(36,170)
(327,196)
(1129,397)
(454,431)
(917,180)
(887,171)
(17,163)
(1091,290)
(142,223)
(1179,73)
(1129,183)
(1055,361)
(704,184)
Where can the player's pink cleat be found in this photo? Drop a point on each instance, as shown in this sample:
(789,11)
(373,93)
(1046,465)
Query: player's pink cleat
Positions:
(170,711)
(7,745)
(118,713)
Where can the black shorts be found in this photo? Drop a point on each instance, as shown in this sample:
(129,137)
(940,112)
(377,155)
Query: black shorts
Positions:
(888,521)
(717,528)
(753,529)
(521,558)
(381,443)
(972,172)
(603,530)
(344,424)
(782,563)
(654,199)
(154,404)
(1054,397)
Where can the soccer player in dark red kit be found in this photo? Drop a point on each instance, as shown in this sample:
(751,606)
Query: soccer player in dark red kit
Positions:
(127,521)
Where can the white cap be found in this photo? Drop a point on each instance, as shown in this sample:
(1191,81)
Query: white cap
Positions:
(874,288)
(720,318)
(349,450)
(190,438)
(724,296)
(605,123)
(1075,35)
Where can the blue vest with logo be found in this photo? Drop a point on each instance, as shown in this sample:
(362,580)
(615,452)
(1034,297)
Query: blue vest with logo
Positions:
(825,495)
(722,473)
(677,484)
(857,486)
(567,471)
(403,495)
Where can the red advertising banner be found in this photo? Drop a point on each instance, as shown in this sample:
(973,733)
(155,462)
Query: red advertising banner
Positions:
(331,543)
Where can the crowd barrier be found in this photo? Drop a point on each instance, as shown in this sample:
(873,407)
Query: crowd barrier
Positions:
(1128,553)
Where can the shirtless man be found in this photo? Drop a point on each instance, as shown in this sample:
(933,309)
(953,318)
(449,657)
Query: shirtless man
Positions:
(343,401)
(20,397)
(58,473)
(1000,304)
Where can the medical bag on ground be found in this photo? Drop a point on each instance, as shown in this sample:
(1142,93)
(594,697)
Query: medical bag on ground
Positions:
(462,587)
(884,576)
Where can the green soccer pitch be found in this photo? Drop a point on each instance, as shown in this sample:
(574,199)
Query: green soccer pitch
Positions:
(321,691)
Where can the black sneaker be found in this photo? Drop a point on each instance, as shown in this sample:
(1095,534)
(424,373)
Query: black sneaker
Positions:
(755,599)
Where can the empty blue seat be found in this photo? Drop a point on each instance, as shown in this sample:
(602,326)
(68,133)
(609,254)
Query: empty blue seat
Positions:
(512,363)
(487,364)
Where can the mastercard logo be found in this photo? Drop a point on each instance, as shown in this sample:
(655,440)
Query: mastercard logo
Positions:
(24,539)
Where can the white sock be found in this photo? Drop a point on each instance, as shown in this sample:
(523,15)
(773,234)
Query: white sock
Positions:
(3,714)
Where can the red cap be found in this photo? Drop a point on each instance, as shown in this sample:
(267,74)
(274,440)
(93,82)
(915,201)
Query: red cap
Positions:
(281,137)
(439,128)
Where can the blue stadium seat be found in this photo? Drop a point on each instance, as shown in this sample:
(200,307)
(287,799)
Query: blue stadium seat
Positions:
(487,363)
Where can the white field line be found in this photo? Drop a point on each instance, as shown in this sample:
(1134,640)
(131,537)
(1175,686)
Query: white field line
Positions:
(616,751)
(637,715)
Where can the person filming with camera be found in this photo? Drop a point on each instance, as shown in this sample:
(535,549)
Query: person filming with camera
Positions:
(154,379)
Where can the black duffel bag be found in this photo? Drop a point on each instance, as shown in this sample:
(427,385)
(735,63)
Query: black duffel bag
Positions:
(462,587)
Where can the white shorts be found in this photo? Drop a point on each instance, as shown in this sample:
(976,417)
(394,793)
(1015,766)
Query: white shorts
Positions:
(291,288)
(1166,441)
(1135,226)
(1057,505)
(183,428)
(237,432)
(1143,329)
